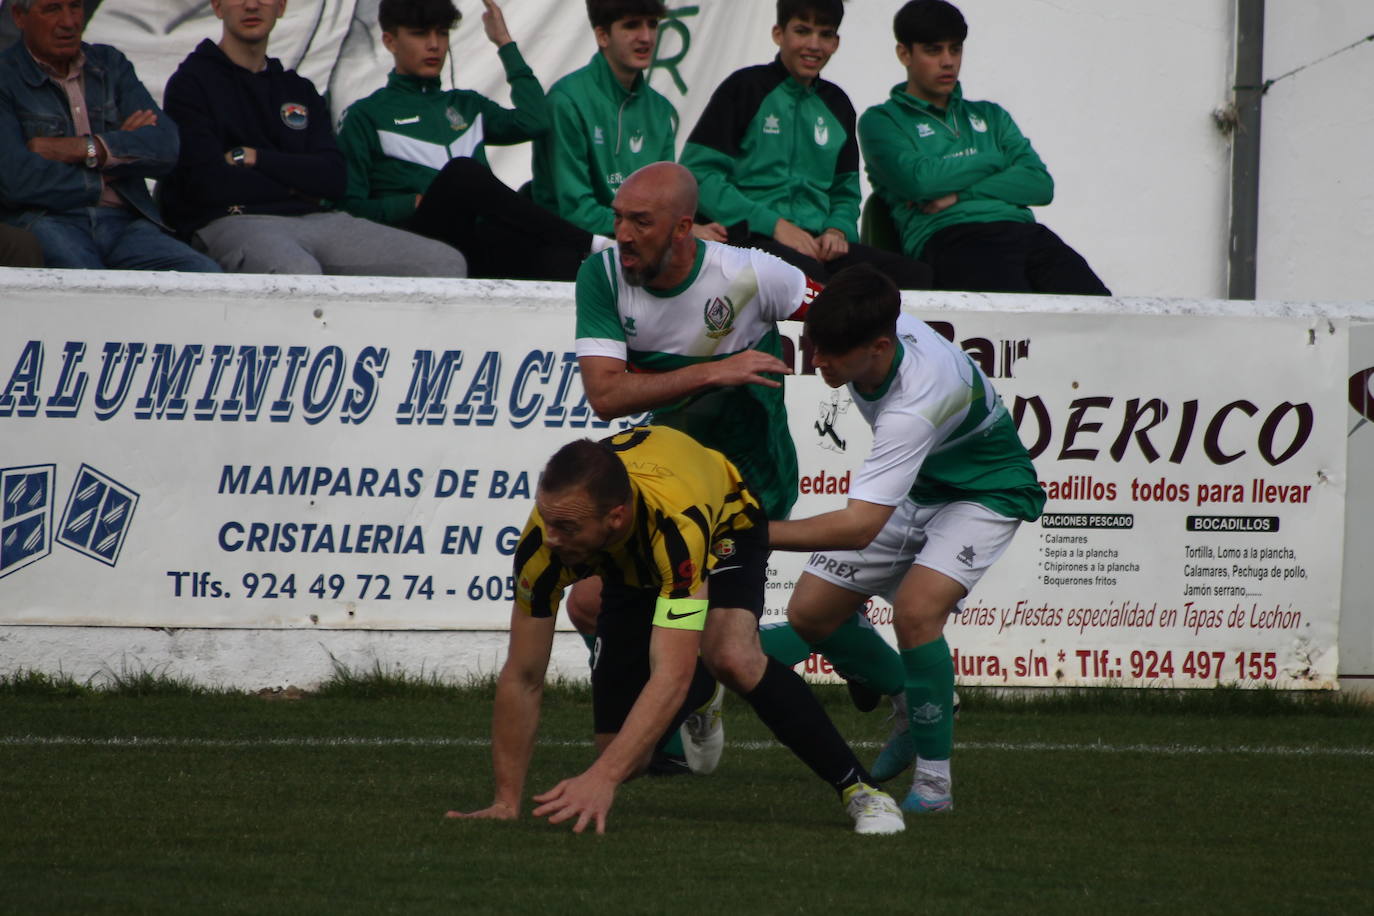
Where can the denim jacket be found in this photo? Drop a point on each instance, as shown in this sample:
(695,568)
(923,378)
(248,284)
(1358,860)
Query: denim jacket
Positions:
(31,105)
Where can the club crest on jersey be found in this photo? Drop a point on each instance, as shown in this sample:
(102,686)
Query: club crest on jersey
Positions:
(771,125)
(822,132)
(723,549)
(295,115)
(636,143)
(720,317)
(598,136)
(978,123)
(455,119)
(925,130)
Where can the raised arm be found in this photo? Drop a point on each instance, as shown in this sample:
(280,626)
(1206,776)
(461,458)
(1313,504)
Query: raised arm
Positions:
(530,116)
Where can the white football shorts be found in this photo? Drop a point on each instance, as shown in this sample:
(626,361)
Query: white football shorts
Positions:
(961,540)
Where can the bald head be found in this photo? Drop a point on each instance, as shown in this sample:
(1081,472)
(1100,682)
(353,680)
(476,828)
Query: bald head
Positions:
(670,189)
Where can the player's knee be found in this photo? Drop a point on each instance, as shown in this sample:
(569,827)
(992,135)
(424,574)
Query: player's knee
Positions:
(737,667)
(582,613)
(916,626)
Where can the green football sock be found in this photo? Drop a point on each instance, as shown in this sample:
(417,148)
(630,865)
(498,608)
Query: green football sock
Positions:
(930,698)
(861,654)
(673,745)
(780,641)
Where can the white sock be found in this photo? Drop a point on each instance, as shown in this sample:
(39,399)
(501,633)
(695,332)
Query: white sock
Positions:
(932,769)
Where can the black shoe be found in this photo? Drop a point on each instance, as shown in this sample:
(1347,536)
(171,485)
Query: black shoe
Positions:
(864,697)
(662,764)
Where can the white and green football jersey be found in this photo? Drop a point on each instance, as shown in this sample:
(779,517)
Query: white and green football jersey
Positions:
(730,302)
(941,433)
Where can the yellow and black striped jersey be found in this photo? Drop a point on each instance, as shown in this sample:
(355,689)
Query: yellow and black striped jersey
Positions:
(686,498)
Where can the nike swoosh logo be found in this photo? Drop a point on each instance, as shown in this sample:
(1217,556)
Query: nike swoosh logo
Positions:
(411,120)
(721,569)
(673,616)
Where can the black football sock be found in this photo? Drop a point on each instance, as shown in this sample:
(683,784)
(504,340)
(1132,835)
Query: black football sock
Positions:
(787,706)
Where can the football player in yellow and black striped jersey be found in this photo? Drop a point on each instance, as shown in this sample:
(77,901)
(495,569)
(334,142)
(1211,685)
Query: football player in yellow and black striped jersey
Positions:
(673,521)
(681,499)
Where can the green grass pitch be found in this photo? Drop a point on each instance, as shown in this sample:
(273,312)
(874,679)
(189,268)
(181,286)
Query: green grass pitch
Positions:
(185,801)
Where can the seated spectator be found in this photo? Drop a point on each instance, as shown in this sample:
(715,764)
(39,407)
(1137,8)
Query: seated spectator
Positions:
(78,137)
(417,154)
(607,121)
(777,156)
(259,166)
(19,248)
(958,176)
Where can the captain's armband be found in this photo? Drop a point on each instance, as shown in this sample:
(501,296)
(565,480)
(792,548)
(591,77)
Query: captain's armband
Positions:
(681,613)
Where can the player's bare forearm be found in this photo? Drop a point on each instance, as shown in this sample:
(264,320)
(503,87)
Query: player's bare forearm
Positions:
(586,799)
(673,655)
(852,528)
(613,392)
(515,714)
(514,721)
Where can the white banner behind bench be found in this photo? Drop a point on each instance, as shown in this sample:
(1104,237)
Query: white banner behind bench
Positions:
(248,453)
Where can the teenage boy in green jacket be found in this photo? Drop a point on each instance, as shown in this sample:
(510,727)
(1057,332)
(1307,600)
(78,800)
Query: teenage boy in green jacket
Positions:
(959,177)
(417,154)
(606,120)
(777,158)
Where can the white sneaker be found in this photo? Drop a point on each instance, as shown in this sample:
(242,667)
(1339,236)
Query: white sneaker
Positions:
(703,735)
(873,810)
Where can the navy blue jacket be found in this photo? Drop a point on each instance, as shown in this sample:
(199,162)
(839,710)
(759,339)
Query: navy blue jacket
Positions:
(219,105)
(32,105)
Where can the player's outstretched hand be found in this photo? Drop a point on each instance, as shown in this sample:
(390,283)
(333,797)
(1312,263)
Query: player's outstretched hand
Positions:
(747,367)
(494,23)
(586,797)
(496,811)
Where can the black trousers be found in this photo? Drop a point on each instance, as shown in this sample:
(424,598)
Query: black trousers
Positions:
(500,232)
(1008,257)
(903,271)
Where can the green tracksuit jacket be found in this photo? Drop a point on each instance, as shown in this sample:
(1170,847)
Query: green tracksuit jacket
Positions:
(768,147)
(915,152)
(399,137)
(600,134)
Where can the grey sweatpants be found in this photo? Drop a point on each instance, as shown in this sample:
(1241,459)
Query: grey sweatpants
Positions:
(325,243)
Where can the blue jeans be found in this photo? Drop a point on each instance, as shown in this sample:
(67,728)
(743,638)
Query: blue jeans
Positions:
(113,237)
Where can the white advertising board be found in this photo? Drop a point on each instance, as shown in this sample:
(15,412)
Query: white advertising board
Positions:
(1195,470)
(241,453)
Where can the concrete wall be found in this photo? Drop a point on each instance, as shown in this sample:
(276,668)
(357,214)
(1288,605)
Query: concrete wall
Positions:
(1316,181)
